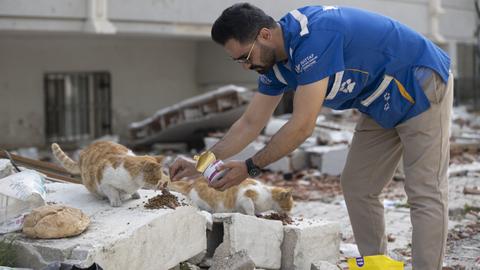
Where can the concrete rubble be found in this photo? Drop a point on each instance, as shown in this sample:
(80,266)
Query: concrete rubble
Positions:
(323,266)
(328,159)
(308,242)
(128,237)
(239,241)
(216,109)
(234,240)
(237,261)
(261,239)
(270,244)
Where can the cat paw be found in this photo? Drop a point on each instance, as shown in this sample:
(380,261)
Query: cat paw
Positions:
(115,203)
(135,196)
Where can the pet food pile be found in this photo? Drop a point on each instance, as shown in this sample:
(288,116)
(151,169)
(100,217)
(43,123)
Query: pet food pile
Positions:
(164,200)
(282,217)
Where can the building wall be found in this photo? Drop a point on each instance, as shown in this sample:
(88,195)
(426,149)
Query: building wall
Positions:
(147,74)
(193,18)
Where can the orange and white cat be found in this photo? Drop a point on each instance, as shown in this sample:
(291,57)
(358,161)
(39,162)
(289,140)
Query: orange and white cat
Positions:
(110,170)
(251,197)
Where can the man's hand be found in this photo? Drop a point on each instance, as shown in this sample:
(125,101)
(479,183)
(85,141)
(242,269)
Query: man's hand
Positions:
(236,173)
(183,167)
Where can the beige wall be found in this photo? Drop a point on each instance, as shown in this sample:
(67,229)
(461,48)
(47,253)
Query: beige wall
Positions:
(215,68)
(147,74)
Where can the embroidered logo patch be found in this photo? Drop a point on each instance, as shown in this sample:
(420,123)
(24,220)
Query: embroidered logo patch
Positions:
(386,97)
(298,68)
(306,63)
(347,86)
(360,261)
(265,80)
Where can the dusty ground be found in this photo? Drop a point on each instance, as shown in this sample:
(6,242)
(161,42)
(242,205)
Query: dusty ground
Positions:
(321,197)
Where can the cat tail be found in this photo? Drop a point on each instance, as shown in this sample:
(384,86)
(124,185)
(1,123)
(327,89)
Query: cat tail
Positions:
(70,165)
(180,186)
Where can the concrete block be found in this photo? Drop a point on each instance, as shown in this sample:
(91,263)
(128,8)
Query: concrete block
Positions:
(186,266)
(328,159)
(260,238)
(237,261)
(274,125)
(323,266)
(310,241)
(127,237)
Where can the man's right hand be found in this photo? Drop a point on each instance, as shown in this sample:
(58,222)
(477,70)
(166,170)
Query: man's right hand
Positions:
(183,167)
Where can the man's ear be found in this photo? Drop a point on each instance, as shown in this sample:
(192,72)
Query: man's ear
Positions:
(265,34)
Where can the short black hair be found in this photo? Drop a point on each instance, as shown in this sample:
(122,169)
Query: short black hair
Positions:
(242,22)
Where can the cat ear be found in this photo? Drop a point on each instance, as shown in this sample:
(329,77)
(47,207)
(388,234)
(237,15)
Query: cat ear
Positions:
(287,194)
(159,159)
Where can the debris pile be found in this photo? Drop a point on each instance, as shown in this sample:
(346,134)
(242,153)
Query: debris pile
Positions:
(465,126)
(462,232)
(217,109)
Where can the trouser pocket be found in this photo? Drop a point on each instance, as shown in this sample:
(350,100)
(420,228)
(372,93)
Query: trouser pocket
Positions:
(434,88)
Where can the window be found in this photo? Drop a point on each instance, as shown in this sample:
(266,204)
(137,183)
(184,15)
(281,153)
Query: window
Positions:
(77,106)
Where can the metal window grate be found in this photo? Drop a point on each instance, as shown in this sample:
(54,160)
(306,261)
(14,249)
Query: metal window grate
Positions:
(77,106)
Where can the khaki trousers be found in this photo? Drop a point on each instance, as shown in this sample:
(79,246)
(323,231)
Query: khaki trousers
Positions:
(374,155)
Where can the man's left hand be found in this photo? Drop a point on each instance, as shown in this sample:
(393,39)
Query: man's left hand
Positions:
(236,173)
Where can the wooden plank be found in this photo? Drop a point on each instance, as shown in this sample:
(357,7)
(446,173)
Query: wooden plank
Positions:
(35,163)
(52,171)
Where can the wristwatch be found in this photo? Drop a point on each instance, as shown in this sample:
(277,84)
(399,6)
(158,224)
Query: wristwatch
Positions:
(252,169)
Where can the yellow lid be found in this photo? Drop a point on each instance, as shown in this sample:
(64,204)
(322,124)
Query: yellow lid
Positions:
(204,160)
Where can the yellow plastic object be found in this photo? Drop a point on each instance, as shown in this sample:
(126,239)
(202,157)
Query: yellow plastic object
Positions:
(377,262)
(204,160)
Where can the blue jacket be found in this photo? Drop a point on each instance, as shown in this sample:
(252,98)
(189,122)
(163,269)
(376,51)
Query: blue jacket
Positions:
(370,60)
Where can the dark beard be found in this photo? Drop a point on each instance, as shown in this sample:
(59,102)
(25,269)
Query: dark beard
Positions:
(267,58)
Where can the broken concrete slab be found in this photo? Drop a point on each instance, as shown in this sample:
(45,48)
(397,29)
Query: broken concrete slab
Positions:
(323,266)
(328,159)
(186,266)
(238,261)
(260,238)
(310,241)
(127,237)
(217,109)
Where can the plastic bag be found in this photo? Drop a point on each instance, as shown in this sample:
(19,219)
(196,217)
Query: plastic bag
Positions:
(19,194)
(377,262)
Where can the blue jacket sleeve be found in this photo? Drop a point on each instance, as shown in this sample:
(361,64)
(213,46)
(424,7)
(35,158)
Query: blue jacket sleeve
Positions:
(318,55)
